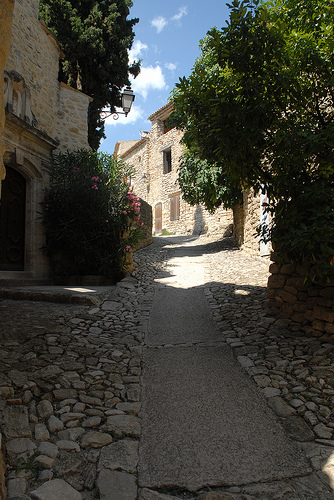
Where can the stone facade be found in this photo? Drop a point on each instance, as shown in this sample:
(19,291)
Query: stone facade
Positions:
(43,116)
(290,297)
(6,21)
(71,119)
(247,219)
(155,158)
(146,218)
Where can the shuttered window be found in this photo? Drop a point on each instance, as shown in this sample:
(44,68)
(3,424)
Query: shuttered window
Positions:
(175,206)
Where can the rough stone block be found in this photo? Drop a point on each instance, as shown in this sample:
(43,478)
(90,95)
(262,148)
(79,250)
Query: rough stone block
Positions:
(326,302)
(276,281)
(124,425)
(287,296)
(300,307)
(324,314)
(309,314)
(19,446)
(291,289)
(271,293)
(273,306)
(297,429)
(329,328)
(56,488)
(302,295)
(16,422)
(327,292)
(313,291)
(16,487)
(312,302)
(280,407)
(298,318)
(318,325)
(120,455)
(274,268)
(287,269)
(95,439)
(116,485)
(287,309)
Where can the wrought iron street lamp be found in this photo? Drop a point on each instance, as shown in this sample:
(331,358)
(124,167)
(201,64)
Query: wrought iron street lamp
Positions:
(127,99)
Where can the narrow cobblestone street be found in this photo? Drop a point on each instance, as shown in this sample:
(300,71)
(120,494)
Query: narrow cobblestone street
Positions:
(71,383)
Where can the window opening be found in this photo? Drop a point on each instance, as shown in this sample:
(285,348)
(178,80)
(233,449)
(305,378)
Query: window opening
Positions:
(167,160)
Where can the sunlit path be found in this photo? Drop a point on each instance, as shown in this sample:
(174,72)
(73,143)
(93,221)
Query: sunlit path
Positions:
(203,420)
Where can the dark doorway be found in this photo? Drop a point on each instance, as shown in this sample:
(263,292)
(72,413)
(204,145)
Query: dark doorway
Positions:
(158,218)
(12,221)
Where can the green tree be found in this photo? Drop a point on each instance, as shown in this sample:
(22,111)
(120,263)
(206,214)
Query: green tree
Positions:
(260,103)
(202,182)
(95,36)
(91,218)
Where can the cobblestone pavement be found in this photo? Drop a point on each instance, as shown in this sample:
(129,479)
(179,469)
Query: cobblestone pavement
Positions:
(70,383)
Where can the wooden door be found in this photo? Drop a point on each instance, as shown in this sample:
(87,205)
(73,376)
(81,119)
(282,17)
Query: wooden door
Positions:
(12,221)
(158,218)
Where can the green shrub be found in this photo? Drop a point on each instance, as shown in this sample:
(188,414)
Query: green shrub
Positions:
(90,214)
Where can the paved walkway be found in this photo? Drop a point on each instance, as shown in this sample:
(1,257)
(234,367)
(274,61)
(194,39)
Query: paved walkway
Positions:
(149,394)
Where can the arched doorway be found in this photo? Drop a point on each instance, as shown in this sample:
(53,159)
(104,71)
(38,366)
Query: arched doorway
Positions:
(12,221)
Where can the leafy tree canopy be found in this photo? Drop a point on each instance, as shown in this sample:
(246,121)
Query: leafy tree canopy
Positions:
(91,218)
(95,36)
(204,182)
(260,103)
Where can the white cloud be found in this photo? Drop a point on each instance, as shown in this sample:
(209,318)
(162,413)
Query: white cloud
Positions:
(170,66)
(149,78)
(136,51)
(135,114)
(183,11)
(159,23)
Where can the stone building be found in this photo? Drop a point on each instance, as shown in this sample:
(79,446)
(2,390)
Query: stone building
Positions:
(42,116)
(155,158)
(6,21)
(247,219)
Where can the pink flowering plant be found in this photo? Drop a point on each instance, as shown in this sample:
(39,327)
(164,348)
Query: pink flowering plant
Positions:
(91,216)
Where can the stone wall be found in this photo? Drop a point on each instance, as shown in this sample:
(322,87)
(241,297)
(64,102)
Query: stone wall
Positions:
(251,207)
(146,218)
(156,186)
(238,224)
(56,109)
(312,306)
(71,127)
(43,116)
(246,220)
(6,21)
(34,54)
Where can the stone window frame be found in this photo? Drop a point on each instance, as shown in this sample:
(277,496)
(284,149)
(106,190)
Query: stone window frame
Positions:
(167,157)
(17,97)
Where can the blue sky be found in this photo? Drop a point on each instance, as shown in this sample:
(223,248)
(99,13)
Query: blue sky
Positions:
(167,40)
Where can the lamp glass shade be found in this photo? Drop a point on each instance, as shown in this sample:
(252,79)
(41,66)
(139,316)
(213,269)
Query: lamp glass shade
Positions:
(127,100)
